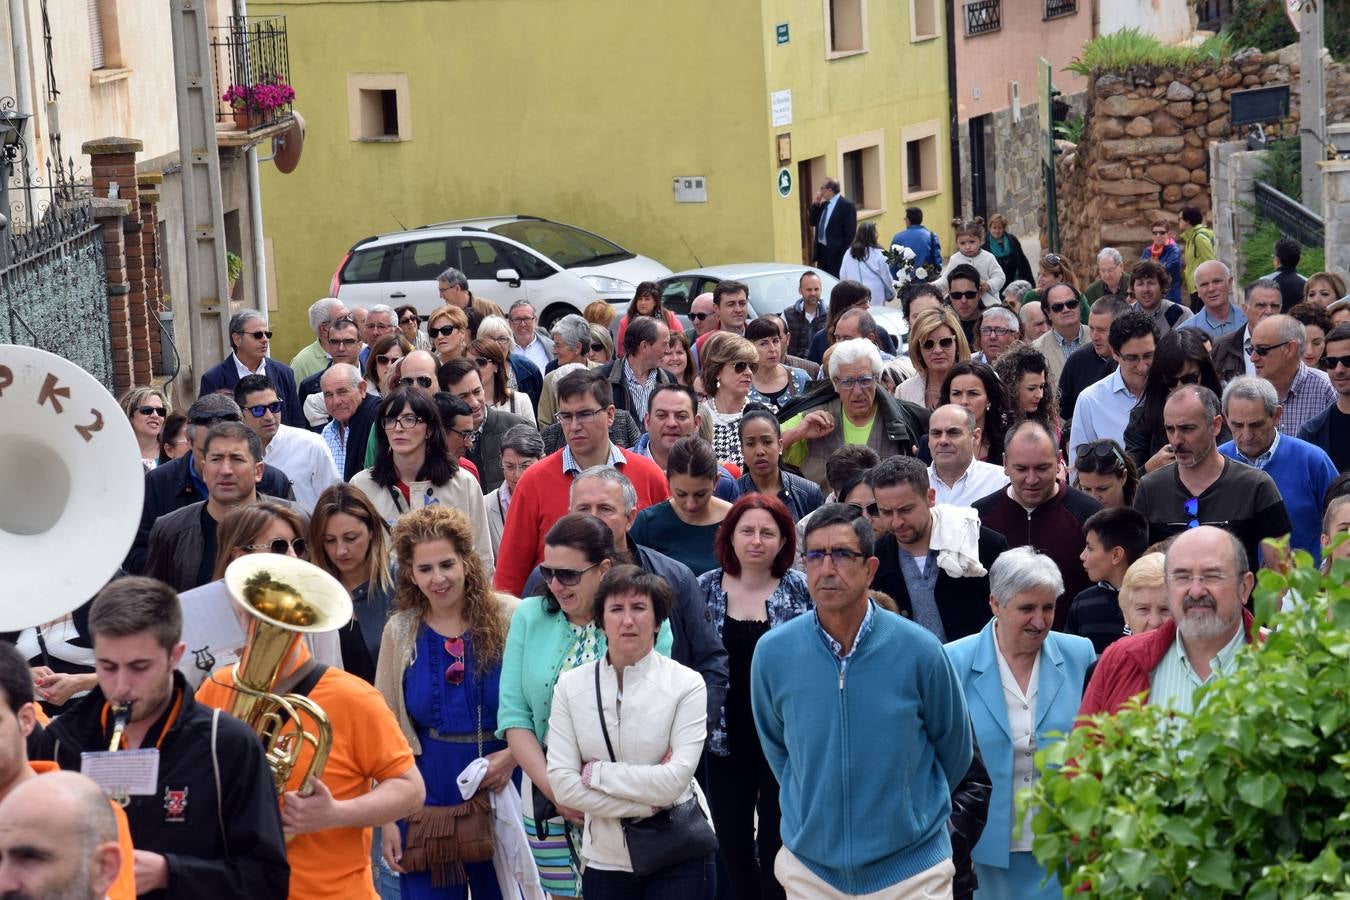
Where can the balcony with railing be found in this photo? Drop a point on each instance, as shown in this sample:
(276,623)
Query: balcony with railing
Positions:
(252,69)
(983,16)
(1057,8)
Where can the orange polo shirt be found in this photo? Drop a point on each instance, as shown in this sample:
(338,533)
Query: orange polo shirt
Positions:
(124,888)
(367,744)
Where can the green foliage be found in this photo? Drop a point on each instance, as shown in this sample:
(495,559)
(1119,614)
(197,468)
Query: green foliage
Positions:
(1248,797)
(1125,49)
(1071,129)
(1263,24)
(1282,167)
(234,265)
(1259,247)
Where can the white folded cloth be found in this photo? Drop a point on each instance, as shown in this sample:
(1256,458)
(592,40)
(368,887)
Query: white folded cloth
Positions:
(517,875)
(955,538)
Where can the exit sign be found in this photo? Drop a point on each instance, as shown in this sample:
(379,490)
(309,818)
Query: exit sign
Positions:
(782,32)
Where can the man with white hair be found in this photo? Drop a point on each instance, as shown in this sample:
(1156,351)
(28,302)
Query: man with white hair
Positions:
(1301,471)
(1217,315)
(380,320)
(1208,582)
(1277,352)
(999,328)
(854,413)
(1232,354)
(1034,322)
(1112,279)
(352,411)
(250,339)
(314,357)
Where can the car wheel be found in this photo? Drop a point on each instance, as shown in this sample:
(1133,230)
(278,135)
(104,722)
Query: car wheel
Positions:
(551,314)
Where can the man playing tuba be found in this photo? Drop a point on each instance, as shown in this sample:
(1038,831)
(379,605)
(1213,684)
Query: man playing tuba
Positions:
(210,829)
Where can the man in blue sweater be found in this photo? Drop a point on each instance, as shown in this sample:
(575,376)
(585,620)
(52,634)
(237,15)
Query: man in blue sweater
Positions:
(1301,471)
(864,724)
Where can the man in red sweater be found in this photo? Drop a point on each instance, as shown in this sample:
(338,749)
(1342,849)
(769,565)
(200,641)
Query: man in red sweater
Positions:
(585,410)
(1208,583)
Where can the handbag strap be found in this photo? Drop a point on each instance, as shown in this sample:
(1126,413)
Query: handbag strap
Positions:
(600,707)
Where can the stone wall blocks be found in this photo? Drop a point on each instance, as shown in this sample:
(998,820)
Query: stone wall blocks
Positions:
(1131,147)
(1218,110)
(1139,127)
(1165,124)
(1180,109)
(1191,190)
(1177,90)
(1124,188)
(1126,107)
(1169,173)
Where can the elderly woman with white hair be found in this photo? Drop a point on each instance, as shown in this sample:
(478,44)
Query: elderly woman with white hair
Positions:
(571,344)
(855,412)
(1023,682)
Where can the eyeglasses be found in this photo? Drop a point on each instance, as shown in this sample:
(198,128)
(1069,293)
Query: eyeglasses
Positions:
(345,343)
(406,420)
(565,577)
(1210,580)
(259,335)
(840,556)
(442,331)
(422,381)
(522,320)
(454,673)
(963,295)
(698,317)
(1101,450)
(597,347)
(1187,378)
(1331,362)
(467,434)
(263,409)
(1136,358)
(1192,509)
(946,343)
(1060,307)
(278,547)
(483,360)
(1263,349)
(384,360)
(848,384)
(211,420)
(583,417)
(151,411)
(408,320)
(995,331)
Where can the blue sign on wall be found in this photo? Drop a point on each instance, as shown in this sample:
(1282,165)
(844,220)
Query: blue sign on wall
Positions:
(782,32)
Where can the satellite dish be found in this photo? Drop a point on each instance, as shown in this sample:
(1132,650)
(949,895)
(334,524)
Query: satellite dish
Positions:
(286,146)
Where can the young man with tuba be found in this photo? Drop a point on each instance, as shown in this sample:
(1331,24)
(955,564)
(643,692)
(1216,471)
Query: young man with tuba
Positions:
(211,828)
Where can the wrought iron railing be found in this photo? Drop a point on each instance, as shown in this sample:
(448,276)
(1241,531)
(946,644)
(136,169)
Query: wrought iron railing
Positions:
(252,65)
(983,16)
(1293,218)
(1056,8)
(31,195)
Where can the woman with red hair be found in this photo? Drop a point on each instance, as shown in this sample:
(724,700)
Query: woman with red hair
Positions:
(755,589)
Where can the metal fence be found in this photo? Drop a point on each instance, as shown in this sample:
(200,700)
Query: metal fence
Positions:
(1293,218)
(252,62)
(54,293)
(1056,8)
(983,16)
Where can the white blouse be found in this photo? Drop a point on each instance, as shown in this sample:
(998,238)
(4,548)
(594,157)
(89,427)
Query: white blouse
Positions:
(1022,726)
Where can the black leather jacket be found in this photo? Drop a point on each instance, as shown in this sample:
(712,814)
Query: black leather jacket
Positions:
(970,810)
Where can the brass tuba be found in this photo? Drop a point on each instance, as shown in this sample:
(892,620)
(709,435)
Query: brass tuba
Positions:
(285,598)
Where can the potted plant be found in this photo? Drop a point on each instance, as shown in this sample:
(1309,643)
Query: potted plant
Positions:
(241,101)
(234,267)
(270,94)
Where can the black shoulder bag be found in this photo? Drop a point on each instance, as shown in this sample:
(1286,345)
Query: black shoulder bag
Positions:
(669,836)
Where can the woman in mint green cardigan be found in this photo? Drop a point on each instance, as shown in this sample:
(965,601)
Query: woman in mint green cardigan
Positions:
(550,635)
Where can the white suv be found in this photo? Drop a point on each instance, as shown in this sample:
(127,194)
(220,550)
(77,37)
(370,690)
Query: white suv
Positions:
(558,268)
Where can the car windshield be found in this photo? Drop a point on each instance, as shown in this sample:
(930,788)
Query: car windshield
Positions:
(565,245)
(773,292)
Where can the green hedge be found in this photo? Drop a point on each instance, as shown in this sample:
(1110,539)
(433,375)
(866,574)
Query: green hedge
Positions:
(1263,24)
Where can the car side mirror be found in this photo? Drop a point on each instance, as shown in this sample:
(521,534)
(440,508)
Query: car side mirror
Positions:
(509,276)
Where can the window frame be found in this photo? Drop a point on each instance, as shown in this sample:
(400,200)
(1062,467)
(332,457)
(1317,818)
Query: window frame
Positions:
(830,51)
(868,140)
(935,11)
(920,131)
(357,83)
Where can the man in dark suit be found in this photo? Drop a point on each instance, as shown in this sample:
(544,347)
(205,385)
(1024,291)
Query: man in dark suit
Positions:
(1232,352)
(460,377)
(909,572)
(835,219)
(178,483)
(249,339)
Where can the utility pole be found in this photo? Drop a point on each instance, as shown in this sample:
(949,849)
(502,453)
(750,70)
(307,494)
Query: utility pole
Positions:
(1312,130)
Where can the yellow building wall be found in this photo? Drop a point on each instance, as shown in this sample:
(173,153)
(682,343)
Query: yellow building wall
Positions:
(894,84)
(582,111)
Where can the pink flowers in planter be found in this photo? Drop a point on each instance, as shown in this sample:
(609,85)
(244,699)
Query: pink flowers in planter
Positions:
(267,95)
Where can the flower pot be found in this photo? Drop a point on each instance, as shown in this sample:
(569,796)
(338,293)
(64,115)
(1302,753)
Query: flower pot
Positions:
(244,119)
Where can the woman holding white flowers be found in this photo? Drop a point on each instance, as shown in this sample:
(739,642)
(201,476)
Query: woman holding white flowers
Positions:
(866,264)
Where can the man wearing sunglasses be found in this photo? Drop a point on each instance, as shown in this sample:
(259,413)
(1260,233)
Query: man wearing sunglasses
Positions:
(702,316)
(1067,332)
(1277,352)
(249,341)
(1301,471)
(313,357)
(299,452)
(344,346)
(1205,487)
(180,482)
(963,293)
(1232,354)
(824,688)
(1330,429)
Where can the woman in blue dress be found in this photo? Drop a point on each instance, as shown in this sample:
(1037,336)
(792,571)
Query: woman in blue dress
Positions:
(439,669)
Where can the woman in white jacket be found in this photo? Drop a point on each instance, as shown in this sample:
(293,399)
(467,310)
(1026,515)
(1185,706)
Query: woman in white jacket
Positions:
(655,719)
(413,468)
(866,264)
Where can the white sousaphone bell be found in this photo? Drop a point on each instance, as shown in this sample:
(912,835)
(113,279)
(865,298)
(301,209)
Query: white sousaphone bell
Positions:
(71,486)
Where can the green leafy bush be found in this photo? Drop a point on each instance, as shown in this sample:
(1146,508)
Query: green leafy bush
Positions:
(1248,797)
(1129,47)
(1259,247)
(1263,24)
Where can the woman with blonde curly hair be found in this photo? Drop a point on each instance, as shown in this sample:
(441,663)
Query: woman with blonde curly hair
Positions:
(440,663)
(147,408)
(936,343)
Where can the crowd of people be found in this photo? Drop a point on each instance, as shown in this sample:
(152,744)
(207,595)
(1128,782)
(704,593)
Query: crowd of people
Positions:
(752,609)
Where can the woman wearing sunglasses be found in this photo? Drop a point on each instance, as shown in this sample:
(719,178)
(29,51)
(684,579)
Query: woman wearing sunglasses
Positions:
(936,343)
(974,386)
(761,440)
(387,350)
(1032,392)
(448,328)
(495,374)
(728,373)
(410,324)
(413,468)
(550,635)
(1181,358)
(685,526)
(147,408)
(602,345)
(1105,473)
(440,672)
(347,538)
(753,590)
